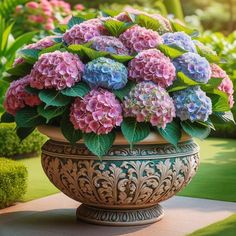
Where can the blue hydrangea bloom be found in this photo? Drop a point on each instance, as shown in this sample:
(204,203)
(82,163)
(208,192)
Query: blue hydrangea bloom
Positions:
(179,39)
(192,104)
(194,66)
(106,73)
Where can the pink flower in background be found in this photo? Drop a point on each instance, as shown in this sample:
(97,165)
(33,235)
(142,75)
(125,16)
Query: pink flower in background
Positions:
(138,38)
(148,102)
(57,70)
(152,65)
(33,5)
(98,112)
(226,84)
(17,98)
(79,7)
(41,44)
(19,9)
(85,31)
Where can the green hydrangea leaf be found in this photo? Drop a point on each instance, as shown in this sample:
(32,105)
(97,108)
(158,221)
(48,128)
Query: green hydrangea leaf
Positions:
(99,144)
(50,112)
(20,70)
(29,117)
(51,49)
(30,90)
(93,54)
(172,132)
(116,27)
(171,51)
(7,118)
(147,22)
(75,21)
(222,117)
(121,58)
(54,98)
(23,133)
(79,90)
(30,55)
(195,129)
(179,27)
(134,131)
(68,130)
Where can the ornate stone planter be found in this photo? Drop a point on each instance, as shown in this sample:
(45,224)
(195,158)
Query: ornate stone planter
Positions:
(126,187)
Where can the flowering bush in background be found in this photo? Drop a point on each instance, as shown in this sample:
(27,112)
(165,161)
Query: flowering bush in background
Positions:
(119,73)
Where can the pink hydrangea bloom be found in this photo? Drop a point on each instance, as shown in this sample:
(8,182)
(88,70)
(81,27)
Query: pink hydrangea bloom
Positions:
(85,31)
(57,70)
(152,65)
(98,112)
(148,102)
(17,98)
(109,44)
(226,84)
(41,44)
(137,39)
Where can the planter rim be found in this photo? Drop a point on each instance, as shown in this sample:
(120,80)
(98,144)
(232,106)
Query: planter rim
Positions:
(54,133)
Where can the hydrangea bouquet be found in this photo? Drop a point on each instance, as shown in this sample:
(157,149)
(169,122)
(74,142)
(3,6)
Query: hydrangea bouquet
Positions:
(133,73)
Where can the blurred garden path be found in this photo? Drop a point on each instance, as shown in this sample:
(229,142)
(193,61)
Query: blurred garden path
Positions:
(55,216)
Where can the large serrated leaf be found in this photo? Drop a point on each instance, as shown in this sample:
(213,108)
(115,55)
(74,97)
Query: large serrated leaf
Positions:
(23,133)
(51,49)
(180,27)
(195,129)
(54,98)
(134,131)
(79,90)
(28,117)
(171,51)
(21,69)
(30,55)
(172,132)
(222,117)
(99,144)
(68,130)
(75,21)
(50,112)
(147,22)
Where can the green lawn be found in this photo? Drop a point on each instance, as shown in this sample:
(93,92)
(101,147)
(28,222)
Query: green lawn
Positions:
(38,185)
(226,227)
(216,177)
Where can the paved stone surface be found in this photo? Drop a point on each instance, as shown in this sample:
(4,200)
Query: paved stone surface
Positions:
(55,216)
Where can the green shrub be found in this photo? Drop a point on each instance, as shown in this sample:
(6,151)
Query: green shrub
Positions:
(10,144)
(13,181)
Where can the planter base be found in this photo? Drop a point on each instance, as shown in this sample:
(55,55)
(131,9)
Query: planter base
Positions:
(119,217)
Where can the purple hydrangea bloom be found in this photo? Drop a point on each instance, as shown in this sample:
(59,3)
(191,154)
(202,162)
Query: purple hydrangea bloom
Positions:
(106,73)
(194,66)
(179,39)
(148,102)
(192,104)
(109,44)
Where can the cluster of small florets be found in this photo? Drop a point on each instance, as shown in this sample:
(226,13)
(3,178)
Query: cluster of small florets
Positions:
(109,44)
(47,13)
(84,32)
(152,65)
(106,73)
(148,102)
(192,104)
(194,66)
(17,97)
(41,44)
(226,84)
(138,38)
(179,39)
(98,112)
(57,70)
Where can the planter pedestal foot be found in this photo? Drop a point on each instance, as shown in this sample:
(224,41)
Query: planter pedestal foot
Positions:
(119,217)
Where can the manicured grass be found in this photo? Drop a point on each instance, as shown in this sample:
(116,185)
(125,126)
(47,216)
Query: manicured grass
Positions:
(38,183)
(226,227)
(216,177)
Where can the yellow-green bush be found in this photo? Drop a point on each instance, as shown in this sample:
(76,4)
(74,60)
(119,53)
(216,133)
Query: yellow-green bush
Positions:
(13,181)
(10,144)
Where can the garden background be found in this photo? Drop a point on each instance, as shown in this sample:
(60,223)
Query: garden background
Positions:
(23,22)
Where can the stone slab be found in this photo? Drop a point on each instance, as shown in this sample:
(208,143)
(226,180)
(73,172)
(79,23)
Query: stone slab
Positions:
(55,216)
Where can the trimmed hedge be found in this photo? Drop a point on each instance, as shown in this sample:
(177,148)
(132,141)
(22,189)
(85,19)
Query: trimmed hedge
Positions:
(10,144)
(13,181)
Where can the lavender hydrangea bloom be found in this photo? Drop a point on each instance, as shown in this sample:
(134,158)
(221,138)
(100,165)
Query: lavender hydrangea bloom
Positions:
(192,104)
(179,39)
(109,44)
(194,66)
(106,73)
